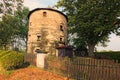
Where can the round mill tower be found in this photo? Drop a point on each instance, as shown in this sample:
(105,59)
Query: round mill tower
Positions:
(47,30)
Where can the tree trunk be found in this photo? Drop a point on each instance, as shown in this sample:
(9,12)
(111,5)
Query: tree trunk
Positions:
(91,48)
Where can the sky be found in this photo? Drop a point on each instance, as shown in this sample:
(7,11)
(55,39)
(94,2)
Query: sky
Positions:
(114,43)
(32,4)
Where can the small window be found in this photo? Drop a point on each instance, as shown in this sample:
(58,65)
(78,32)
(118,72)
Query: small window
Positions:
(61,28)
(60,39)
(44,14)
(38,37)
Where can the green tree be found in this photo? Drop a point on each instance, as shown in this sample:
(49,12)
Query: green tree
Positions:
(7,29)
(13,29)
(22,24)
(91,20)
(9,6)
(117,24)
(13,24)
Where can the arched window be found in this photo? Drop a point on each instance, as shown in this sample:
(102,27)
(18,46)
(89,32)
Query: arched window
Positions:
(61,28)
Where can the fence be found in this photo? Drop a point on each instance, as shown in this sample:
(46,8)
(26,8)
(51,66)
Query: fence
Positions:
(85,68)
(31,58)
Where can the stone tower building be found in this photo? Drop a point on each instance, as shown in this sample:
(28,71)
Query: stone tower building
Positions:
(47,30)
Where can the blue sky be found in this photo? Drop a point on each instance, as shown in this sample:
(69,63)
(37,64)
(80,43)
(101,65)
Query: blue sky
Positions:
(32,4)
(114,43)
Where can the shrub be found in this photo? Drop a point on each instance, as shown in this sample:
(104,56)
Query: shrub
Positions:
(108,55)
(3,53)
(11,60)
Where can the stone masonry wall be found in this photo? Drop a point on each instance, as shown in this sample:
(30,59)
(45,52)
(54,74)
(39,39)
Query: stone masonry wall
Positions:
(46,29)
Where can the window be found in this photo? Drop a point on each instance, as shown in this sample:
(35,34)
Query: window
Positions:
(60,39)
(38,37)
(61,28)
(44,14)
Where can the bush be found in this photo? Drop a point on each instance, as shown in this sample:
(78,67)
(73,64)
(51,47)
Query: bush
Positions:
(108,55)
(11,60)
(3,53)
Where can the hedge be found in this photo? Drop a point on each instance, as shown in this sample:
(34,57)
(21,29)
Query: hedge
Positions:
(108,55)
(11,60)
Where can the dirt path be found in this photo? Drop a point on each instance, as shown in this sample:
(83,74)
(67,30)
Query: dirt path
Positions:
(32,74)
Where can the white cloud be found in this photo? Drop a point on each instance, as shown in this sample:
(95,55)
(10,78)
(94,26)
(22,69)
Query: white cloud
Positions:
(32,4)
(114,44)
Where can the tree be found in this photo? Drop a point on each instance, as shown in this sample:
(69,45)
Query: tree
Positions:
(7,29)
(22,24)
(91,20)
(117,24)
(9,6)
(13,28)
(13,24)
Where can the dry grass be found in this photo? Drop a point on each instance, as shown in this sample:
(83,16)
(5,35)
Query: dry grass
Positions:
(32,74)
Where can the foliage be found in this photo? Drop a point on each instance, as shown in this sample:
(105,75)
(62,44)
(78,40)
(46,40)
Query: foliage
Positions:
(3,53)
(22,28)
(13,28)
(7,29)
(13,24)
(44,41)
(9,6)
(22,22)
(11,60)
(91,20)
(117,23)
(108,55)
(51,57)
